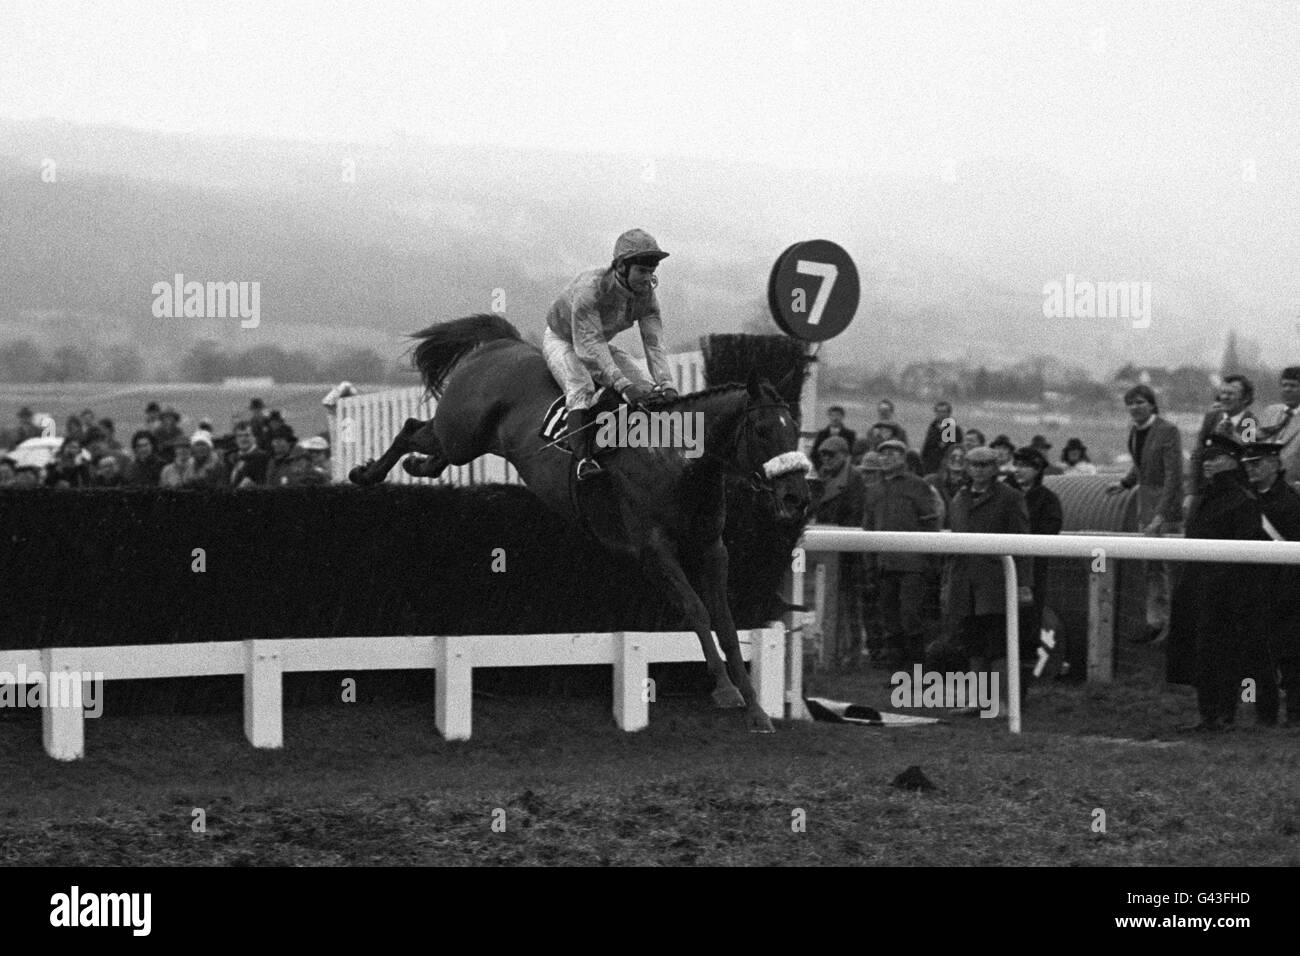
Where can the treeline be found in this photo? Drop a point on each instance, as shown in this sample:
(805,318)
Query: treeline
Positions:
(1184,387)
(206,362)
(26,362)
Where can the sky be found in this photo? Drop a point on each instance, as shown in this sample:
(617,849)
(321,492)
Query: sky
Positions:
(1097,89)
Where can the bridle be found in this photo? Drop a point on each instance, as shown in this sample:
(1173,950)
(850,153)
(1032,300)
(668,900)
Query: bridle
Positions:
(759,479)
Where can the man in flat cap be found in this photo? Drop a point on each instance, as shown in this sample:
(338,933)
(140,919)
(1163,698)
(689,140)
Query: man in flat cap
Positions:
(1279,505)
(975,605)
(839,502)
(901,502)
(1212,622)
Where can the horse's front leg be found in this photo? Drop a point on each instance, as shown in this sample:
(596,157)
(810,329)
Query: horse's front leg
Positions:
(659,560)
(373,472)
(711,573)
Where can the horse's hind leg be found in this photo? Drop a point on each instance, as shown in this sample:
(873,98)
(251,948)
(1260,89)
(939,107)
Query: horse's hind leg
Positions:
(373,472)
(427,459)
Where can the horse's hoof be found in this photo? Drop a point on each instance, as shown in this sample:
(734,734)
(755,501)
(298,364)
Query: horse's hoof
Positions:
(413,464)
(760,724)
(360,475)
(727,697)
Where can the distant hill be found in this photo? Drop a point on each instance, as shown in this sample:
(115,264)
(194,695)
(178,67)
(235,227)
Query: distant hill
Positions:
(360,246)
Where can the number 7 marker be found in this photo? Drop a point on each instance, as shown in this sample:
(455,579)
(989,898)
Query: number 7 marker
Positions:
(827,271)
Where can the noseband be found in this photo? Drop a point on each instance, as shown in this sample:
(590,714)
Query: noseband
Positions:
(760,478)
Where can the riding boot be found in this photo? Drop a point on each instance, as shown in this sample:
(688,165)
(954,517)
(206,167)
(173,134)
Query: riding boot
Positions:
(580,443)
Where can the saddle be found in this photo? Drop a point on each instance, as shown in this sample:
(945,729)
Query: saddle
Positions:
(556,418)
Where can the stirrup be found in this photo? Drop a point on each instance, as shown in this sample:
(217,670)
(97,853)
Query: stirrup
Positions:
(589,468)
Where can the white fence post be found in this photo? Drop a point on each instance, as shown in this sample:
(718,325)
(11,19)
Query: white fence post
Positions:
(1101,623)
(263,694)
(63,724)
(455,687)
(631,672)
(768,665)
(1012,585)
(796,709)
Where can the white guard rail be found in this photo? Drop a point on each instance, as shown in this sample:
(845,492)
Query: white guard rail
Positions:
(827,540)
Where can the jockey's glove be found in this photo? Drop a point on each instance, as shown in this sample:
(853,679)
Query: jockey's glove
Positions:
(635,394)
(665,393)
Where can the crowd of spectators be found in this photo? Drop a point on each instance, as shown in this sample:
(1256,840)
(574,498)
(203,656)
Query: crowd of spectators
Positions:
(891,605)
(261,449)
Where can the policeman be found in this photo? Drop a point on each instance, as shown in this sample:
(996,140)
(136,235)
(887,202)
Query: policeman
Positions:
(1213,620)
(1279,505)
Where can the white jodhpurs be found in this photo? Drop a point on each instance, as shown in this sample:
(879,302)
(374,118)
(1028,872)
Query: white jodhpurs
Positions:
(576,379)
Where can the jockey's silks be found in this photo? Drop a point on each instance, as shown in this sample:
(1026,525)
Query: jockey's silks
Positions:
(595,307)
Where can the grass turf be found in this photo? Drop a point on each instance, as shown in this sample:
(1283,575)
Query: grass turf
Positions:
(362,784)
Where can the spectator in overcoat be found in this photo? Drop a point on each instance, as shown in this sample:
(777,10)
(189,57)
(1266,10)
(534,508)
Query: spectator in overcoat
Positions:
(145,467)
(835,426)
(949,479)
(302,472)
(840,498)
(206,469)
(885,415)
(249,462)
(942,432)
(108,473)
(1279,655)
(68,470)
(167,432)
(1041,443)
(839,502)
(1231,415)
(1004,448)
(1280,423)
(1045,517)
(283,441)
(1214,620)
(180,470)
(1156,447)
(975,589)
(901,502)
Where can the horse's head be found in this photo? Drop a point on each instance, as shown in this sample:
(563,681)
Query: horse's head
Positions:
(767,450)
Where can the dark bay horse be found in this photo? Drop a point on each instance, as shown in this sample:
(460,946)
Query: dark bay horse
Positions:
(655,504)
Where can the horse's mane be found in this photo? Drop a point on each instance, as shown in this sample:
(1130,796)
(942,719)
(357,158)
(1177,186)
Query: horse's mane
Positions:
(713,390)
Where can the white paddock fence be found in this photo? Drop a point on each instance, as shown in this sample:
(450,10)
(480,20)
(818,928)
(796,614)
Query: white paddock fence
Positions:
(825,542)
(264,662)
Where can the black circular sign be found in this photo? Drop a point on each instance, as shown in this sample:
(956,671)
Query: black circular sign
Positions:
(813,290)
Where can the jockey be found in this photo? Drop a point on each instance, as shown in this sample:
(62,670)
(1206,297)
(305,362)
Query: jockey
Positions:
(592,309)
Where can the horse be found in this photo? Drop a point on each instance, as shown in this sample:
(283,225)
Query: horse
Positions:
(654,504)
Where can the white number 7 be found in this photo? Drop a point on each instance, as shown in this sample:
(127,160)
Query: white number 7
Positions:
(827,271)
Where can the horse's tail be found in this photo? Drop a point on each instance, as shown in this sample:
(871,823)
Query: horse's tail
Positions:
(446,343)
